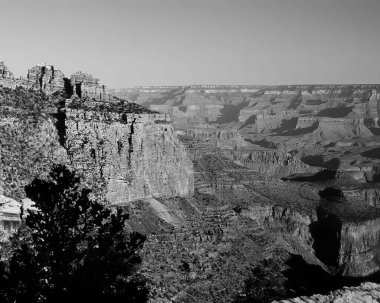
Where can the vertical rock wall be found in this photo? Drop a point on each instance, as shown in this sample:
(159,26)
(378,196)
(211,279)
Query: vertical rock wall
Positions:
(359,246)
(131,155)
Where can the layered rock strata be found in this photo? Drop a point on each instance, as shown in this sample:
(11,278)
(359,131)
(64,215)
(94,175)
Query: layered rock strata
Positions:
(351,230)
(84,85)
(46,78)
(271,163)
(131,155)
(221,138)
(123,151)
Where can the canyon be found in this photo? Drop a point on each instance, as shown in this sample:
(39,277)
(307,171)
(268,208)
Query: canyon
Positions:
(123,151)
(281,130)
(219,178)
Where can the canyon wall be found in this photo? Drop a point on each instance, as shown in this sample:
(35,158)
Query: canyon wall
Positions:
(347,237)
(359,244)
(270,163)
(131,155)
(221,138)
(123,150)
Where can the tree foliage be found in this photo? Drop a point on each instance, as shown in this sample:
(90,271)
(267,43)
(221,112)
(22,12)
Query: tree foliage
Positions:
(77,251)
(264,284)
(332,193)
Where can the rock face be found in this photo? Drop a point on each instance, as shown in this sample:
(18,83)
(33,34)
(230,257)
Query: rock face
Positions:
(336,121)
(5,73)
(370,195)
(132,155)
(41,77)
(221,229)
(365,293)
(338,129)
(270,163)
(6,76)
(46,78)
(358,248)
(347,236)
(10,212)
(84,85)
(221,138)
(283,220)
(123,150)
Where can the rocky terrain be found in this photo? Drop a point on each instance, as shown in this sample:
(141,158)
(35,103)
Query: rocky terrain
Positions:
(123,150)
(281,130)
(243,174)
(366,293)
(241,139)
(207,243)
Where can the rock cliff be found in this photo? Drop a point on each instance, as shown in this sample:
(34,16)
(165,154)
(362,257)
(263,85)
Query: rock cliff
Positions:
(338,129)
(84,85)
(351,232)
(46,78)
(131,155)
(333,120)
(221,138)
(270,163)
(123,150)
(5,73)
(365,293)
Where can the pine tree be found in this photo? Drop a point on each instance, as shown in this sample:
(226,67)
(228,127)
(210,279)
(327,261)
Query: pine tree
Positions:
(78,251)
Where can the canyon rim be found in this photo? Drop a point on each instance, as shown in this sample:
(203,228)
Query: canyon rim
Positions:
(190,151)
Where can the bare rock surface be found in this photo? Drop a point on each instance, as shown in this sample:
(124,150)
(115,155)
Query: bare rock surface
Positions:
(365,293)
(46,78)
(238,217)
(131,155)
(339,123)
(123,150)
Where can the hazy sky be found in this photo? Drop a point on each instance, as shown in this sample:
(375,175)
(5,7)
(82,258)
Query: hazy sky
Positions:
(174,42)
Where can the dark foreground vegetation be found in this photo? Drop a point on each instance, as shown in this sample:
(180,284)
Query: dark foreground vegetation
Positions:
(71,249)
(277,278)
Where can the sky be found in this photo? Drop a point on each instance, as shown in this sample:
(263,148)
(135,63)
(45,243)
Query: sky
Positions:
(128,43)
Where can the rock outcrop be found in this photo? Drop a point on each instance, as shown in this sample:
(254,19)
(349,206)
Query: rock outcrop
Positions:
(347,236)
(6,76)
(270,163)
(11,214)
(338,129)
(365,293)
(123,150)
(5,73)
(130,155)
(333,120)
(42,77)
(221,138)
(84,85)
(46,78)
